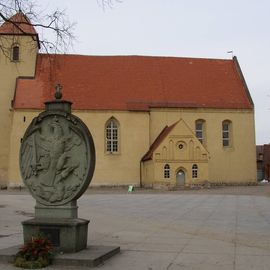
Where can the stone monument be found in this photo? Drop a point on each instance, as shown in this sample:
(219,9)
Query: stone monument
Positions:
(57,161)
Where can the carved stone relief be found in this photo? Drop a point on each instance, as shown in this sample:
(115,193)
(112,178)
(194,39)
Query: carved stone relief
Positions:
(57,158)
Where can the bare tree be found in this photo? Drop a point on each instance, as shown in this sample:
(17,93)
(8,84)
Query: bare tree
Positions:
(107,3)
(55,24)
(55,31)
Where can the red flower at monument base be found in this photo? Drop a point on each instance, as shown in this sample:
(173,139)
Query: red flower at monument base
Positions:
(36,253)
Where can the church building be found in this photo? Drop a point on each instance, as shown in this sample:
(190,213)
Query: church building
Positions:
(155,121)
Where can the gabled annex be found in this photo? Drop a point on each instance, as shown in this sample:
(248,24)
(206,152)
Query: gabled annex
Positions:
(176,158)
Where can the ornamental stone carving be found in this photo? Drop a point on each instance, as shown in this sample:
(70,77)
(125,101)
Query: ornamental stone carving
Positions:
(57,155)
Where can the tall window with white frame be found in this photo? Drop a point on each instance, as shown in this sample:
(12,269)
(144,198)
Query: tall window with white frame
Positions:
(112,136)
(167,171)
(195,171)
(226,133)
(199,130)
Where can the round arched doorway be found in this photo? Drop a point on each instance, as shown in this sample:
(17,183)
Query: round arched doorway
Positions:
(180,178)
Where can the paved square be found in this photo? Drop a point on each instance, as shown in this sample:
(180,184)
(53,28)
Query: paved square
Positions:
(163,230)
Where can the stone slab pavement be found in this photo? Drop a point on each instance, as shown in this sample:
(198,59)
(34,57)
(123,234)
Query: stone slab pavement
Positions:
(164,230)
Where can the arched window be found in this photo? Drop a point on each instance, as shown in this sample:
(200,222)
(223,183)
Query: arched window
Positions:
(200,130)
(15,56)
(195,171)
(226,133)
(167,171)
(112,136)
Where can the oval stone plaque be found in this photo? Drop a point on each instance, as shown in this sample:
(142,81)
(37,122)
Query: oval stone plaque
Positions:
(57,157)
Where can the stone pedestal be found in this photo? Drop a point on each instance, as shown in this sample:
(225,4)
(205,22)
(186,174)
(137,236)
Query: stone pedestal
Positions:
(66,234)
(60,224)
(68,210)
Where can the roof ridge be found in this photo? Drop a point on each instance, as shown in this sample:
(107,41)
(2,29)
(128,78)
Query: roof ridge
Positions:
(139,56)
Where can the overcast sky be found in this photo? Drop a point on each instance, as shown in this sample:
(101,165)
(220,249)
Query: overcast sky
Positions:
(184,28)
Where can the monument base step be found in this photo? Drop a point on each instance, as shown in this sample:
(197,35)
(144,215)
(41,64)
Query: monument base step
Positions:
(66,234)
(92,256)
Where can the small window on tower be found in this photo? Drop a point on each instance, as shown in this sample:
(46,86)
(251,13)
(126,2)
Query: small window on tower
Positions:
(15,53)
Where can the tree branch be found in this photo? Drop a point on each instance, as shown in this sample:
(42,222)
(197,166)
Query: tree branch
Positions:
(55,24)
(107,3)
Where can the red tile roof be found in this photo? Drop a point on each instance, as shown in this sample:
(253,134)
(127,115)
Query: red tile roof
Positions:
(163,134)
(135,83)
(18,24)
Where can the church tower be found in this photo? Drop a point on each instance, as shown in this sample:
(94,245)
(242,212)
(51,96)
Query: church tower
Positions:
(19,47)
